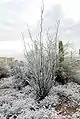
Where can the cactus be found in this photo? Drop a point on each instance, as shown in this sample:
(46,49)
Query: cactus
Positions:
(61,52)
(60,71)
(79,51)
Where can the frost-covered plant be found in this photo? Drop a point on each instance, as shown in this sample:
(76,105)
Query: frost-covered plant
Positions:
(65,70)
(40,61)
(19,71)
(16,68)
(64,73)
(40,73)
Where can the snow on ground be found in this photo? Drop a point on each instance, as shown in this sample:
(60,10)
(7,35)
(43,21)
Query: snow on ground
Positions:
(21,104)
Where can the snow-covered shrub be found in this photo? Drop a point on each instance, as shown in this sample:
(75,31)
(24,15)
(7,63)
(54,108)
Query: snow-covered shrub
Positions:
(76,74)
(16,67)
(64,73)
(4,70)
(65,70)
(18,70)
(41,59)
(40,62)
(72,70)
(40,73)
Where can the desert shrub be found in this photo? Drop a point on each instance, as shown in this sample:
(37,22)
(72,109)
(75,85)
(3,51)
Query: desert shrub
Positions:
(61,76)
(65,73)
(65,70)
(76,71)
(19,72)
(15,68)
(40,61)
(4,70)
(72,67)
(40,76)
(41,58)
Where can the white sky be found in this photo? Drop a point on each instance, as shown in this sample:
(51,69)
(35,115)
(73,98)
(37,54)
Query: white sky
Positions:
(15,14)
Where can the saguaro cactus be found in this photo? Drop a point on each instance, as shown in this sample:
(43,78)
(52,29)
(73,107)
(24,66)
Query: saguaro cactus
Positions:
(61,52)
(79,51)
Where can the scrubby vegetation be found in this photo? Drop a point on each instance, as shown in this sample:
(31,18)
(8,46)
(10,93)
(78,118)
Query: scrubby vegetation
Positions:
(19,72)
(4,71)
(43,86)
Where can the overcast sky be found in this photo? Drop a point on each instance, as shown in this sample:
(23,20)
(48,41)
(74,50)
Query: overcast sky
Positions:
(16,14)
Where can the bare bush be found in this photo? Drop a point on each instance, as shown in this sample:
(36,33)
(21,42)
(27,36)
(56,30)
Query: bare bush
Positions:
(40,75)
(41,60)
